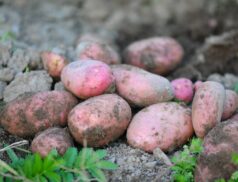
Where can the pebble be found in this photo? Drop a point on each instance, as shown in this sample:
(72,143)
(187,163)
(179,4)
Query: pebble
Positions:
(34,81)
(2,87)
(7,74)
(159,154)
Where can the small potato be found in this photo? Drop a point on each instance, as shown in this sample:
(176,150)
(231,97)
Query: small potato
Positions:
(207,107)
(53,63)
(92,50)
(99,120)
(88,78)
(215,162)
(231,104)
(52,138)
(158,54)
(33,112)
(164,125)
(139,87)
(183,89)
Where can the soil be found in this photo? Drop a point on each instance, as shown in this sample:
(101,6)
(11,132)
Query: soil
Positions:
(58,24)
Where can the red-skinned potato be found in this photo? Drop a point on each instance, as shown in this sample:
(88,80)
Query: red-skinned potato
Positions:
(183,89)
(93,50)
(207,107)
(235,117)
(231,104)
(88,78)
(215,161)
(99,120)
(197,84)
(33,112)
(139,87)
(53,63)
(157,54)
(165,125)
(52,138)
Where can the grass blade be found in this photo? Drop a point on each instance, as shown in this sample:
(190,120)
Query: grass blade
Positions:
(7,167)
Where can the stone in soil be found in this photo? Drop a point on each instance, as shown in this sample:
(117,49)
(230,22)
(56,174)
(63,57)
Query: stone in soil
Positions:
(7,74)
(228,80)
(34,81)
(5,53)
(59,86)
(2,88)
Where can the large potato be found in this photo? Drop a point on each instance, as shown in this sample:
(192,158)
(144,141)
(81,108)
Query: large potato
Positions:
(164,125)
(207,107)
(99,120)
(88,78)
(34,112)
(219,145)
(231,104)
(52,138)
(158,54)
(139,87)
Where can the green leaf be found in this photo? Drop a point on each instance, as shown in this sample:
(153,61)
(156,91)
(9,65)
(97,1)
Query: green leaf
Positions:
(82,176)
(106,165)
(70,156)
(234,176)
(180,178)
(52,176)
(37,164)
(196,146)
(12,155)
(87,156)
(7,36)
(220,180)
(67,177)
(236,88)
(7,167)
(47,161)
(51,161)
(234,158)
(42,179)
(98,174)
(28,165)
(101,154)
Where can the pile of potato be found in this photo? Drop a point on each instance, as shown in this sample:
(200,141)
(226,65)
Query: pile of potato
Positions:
(102,94)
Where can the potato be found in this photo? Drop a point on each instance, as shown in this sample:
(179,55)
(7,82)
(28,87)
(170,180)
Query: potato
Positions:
(183,89)
(33,112)
(158,54)
(92,50)
(99,120)
(139,87)
(165,125)
(207,107)
(235,117)
(197,84)
(88,78)
(53,63)
(231,104)
(52,138)
(219,145)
